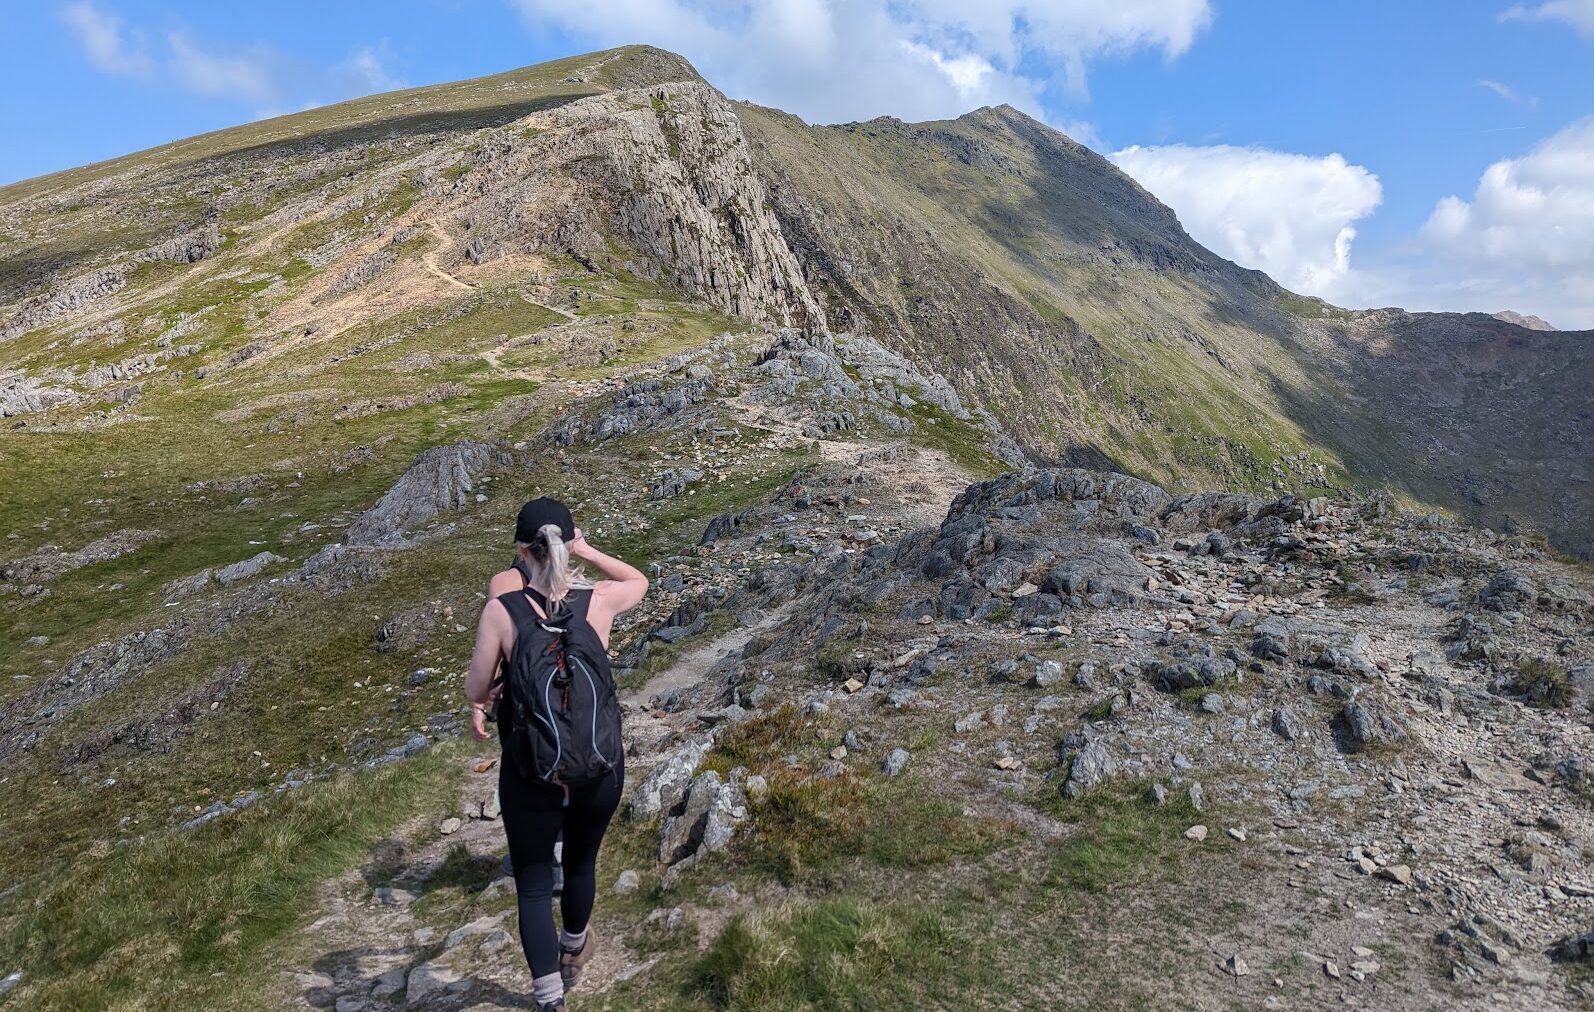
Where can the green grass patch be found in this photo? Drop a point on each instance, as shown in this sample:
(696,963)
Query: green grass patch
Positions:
(810,830)
(1546,683)
(193,919)
(838,953)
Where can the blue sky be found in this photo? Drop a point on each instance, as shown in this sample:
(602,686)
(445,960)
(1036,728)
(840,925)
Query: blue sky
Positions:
(1464,176)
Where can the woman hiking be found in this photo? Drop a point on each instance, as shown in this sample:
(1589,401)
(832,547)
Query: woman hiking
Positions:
(563,764)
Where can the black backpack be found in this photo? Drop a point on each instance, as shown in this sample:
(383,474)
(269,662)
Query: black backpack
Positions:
(561,724)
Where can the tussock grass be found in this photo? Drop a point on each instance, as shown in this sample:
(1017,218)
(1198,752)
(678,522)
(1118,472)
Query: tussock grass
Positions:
(182,920)
(834,954)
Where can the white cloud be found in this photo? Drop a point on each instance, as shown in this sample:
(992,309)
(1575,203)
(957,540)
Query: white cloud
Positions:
(251,75)
(1505,91)
(260,76)
(837,60)
(366,71)
(1525,240)
(105,42)
(1577,13)
(1287,214)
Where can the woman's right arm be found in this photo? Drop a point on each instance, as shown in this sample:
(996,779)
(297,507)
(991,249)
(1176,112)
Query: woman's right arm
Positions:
(490,630)
(627,584)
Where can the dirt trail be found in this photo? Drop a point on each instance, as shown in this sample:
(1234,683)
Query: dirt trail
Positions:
(367,933)
(698,662)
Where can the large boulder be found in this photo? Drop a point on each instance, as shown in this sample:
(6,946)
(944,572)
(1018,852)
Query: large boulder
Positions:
(666,784)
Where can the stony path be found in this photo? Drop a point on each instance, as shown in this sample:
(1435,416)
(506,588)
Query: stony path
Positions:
(377,949)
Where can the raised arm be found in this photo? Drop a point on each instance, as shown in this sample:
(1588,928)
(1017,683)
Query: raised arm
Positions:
(622,589)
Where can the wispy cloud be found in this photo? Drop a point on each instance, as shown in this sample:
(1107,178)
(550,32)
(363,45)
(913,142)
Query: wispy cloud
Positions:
(1503,90)
(1508,93)
(106,42)
(1577,13)
(258,75)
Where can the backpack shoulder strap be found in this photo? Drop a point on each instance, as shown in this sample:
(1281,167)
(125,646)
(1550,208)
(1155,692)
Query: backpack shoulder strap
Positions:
(520,566)
(519,611)
(578,601)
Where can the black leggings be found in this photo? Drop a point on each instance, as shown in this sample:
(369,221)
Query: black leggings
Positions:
(533,813)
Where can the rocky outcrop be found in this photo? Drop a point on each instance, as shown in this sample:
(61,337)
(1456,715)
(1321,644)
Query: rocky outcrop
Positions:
(64,299)
(441,479)
(50,562)
(666,169)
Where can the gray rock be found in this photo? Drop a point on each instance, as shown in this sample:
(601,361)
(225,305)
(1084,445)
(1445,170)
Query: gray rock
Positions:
(1048,673)
(1091,765)
(1366,722)
(1085,677)
(440,479)
(895,763)
(480,926)
(705,821)
(240,571)
(665,785)
(1287,726)
(427,982)
(627,882)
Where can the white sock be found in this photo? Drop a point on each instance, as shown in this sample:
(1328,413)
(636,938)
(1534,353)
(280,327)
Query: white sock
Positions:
(549,987)
(572,943)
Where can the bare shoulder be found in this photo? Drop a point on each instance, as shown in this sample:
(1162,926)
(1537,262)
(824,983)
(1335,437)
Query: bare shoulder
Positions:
(505,582)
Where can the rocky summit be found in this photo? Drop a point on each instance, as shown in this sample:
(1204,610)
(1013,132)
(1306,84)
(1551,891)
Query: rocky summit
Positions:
(1045,612)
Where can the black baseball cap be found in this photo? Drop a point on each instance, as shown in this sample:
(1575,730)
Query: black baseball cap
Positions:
(539,513)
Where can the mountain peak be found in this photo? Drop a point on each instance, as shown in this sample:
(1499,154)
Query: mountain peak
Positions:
(636,66)
(1527,322)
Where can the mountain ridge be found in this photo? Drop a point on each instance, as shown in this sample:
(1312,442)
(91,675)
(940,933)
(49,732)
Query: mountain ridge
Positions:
(929,664)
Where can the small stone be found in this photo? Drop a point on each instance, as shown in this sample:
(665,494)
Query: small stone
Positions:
(427,980)
(1159,794)
(1397,873)
(627,882)
(1197,797)
(1366,865)
(895,763)
(852,685)
(1236,965)
(1366,967)
(449,826)
(839,752)
(388,896)
(1331,969)
(1197,833)
(1048,673)
(1236,833)
(1007,762)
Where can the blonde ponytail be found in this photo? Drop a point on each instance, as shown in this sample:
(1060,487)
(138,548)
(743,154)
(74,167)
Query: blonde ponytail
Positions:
(552,557)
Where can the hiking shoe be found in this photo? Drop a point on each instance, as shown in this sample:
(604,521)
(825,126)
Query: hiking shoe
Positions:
(557,1005)
(570,963)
